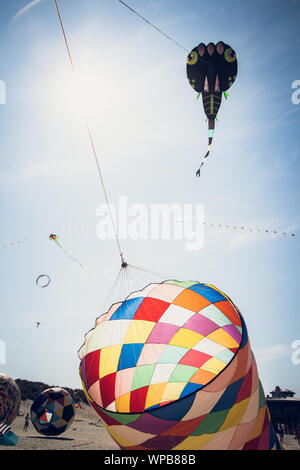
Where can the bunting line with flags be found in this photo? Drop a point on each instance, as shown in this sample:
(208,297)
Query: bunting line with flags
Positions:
(269,232)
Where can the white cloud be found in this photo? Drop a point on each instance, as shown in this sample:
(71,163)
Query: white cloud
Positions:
(52,167)
(272,353)
(241,239)
(5,178)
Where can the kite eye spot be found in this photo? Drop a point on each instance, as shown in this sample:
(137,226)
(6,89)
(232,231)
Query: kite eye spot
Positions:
(192,58)
(229,55)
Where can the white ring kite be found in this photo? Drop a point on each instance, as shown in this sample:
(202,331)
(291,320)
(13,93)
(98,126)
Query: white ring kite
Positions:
(42,285)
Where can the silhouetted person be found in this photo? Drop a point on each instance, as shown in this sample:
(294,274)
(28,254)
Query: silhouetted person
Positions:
(281,433)
(298,435)
(26,422)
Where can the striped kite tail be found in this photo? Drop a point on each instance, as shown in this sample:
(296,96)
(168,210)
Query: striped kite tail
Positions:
(211,128)
(54,238)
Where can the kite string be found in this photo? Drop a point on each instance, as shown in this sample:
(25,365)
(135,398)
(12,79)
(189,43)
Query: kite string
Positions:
(90,136)
(153,26)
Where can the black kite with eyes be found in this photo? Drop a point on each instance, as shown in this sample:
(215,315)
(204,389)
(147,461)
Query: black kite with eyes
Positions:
(211,70)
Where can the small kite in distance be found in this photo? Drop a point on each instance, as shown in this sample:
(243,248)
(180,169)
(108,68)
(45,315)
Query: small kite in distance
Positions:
(43,280)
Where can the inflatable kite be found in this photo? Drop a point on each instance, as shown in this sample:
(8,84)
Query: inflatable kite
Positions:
(52,412)
(10,401)
(171,368)
(211,70)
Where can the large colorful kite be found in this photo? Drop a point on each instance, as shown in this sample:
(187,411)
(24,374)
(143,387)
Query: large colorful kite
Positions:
(10,401)
(52,412)
(211,70)
(171,367)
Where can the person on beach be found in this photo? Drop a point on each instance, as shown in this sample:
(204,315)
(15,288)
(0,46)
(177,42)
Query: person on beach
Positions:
(26,422)
(298,434)
(281,433)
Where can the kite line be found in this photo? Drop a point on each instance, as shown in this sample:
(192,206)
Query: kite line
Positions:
(153,26)
(123,263)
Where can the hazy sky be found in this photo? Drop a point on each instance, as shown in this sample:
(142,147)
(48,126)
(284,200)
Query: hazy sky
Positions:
(150,134)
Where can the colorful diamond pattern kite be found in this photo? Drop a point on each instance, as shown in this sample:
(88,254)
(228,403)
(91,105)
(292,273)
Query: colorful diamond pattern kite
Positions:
(171,368)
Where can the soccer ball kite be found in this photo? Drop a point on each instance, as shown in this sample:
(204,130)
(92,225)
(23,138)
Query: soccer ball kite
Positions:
(52,412)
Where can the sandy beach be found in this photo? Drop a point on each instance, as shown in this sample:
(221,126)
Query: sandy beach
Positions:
(85,433)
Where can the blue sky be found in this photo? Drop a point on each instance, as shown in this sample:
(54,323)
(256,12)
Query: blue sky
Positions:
(150,134)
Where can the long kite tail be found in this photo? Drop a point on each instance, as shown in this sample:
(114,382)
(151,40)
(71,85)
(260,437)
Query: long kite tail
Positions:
(54,238)
(211,128)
